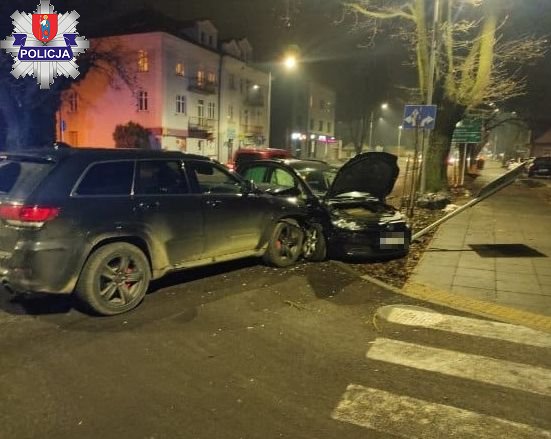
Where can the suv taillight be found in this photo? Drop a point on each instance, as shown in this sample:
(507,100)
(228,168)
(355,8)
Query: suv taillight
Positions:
(17,214)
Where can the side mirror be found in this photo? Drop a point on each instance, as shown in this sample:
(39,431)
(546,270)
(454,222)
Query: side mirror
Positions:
(287,192)
(249,187)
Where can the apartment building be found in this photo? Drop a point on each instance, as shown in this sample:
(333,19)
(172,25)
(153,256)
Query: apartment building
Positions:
(192,92)
(304,118)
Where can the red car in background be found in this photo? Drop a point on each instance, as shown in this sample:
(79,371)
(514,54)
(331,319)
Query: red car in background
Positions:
(245,155)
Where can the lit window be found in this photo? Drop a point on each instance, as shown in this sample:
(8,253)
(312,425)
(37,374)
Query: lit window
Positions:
(211,110)
(143,61)
(211,78)
(143,101)
(200,78)
(180,69)
(73,102)
(181,104)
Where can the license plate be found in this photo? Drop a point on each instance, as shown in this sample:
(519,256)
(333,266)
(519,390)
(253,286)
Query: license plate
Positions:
(392,239)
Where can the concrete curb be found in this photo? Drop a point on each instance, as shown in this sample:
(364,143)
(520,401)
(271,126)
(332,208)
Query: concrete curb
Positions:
(465,304)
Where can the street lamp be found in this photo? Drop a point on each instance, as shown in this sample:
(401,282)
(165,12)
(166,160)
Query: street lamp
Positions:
(384,106)
(290,62)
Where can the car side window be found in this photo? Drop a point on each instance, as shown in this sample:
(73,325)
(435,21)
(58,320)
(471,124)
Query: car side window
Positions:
(280,177)
(213,180)
(156,177)
(107,178)
(256,174)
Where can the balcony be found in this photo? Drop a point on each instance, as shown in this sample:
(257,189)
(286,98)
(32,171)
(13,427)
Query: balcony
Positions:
(203,87)
(201,127)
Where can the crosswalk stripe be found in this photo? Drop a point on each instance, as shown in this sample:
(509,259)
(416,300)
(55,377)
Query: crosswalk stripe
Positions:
(408,417)
(415,316)
(474,367)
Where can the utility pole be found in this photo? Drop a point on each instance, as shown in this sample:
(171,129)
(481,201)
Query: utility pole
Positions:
(430,88)
(371,131)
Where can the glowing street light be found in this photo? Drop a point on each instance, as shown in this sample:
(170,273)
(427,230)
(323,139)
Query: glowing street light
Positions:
(384,106)
(290,62)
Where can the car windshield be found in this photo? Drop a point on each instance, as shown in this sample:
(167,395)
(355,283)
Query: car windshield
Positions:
(319,179)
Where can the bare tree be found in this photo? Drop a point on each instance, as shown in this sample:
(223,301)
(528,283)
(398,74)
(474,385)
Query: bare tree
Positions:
(476,61)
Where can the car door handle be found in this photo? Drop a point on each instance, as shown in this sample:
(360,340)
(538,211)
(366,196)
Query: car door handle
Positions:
(148,206)
(213,203)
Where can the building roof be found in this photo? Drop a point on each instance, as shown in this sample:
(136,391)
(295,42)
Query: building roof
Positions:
(148,20)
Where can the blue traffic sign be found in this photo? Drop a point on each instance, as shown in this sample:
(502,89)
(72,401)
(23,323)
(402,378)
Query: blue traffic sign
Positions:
(419,116)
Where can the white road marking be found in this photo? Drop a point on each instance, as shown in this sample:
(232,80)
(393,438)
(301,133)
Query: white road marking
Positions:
(408,417)
(474,367)
(416,316)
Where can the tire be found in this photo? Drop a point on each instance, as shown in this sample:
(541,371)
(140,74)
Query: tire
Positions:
(114,279)
(315,245)
(285,245)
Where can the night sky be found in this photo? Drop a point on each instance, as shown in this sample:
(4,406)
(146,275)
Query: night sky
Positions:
(331,51)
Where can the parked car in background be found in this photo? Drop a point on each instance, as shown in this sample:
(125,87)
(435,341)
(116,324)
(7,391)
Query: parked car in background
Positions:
(346,207)
(244,155)
(540,167)
(104,222)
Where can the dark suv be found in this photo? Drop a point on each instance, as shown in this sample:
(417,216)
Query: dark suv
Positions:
(103,223)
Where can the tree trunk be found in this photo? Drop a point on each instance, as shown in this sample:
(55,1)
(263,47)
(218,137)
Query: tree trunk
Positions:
(440,143)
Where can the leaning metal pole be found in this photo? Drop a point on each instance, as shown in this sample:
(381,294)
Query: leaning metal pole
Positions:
(487,191)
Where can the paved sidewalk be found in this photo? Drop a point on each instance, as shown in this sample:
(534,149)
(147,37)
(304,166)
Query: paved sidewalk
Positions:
(463,257)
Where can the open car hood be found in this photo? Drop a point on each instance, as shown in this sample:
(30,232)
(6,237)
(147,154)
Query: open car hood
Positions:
(369,172)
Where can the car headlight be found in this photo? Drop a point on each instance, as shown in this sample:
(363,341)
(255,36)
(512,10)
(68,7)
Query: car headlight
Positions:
(342,223)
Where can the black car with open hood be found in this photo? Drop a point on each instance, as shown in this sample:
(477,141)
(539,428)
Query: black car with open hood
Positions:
(347,208)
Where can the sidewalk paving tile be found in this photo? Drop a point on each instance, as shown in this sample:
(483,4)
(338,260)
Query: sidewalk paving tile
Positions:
(545,281)
(476,273)
(474,282)
(439,259)
(475,293)
(521,285)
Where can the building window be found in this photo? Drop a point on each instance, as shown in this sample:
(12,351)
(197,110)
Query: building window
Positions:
(180,69)
(73,101)
(232,81)
(200,108)
(203,37)
(211,41)
(143,61)
(211,78)
(200,78)
(181,104)
(321,125)
(322,104)
(211,110)
(311,124)
(329,127)
(230,112)
(143,101)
